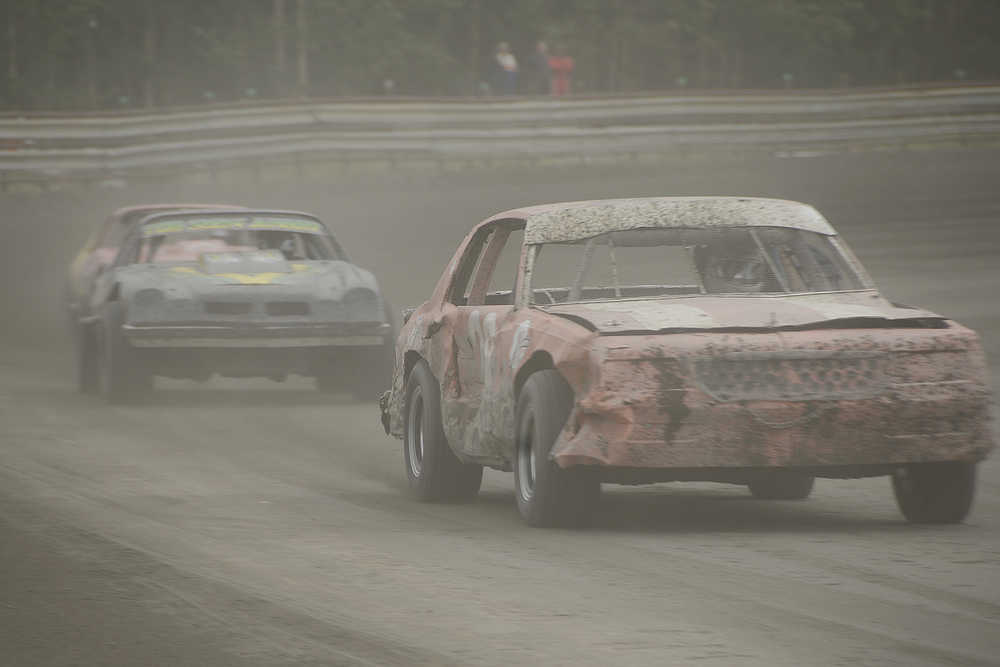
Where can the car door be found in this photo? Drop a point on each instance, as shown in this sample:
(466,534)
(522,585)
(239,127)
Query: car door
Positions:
(481,313)
(96,261)
(104,280)
(85,268)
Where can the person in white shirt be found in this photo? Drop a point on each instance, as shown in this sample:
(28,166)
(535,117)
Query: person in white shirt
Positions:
(506,69)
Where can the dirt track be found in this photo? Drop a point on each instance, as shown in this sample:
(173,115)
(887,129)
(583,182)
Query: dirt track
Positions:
(261,524)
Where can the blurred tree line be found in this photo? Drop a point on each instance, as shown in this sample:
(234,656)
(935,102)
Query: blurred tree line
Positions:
(78,54)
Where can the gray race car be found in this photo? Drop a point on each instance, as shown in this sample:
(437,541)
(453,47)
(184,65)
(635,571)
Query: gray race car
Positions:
(239,293)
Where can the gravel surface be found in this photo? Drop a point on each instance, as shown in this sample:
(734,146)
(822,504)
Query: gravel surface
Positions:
(256,523)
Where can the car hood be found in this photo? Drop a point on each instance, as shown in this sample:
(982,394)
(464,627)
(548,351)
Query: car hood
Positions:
(337,276)
(758,312)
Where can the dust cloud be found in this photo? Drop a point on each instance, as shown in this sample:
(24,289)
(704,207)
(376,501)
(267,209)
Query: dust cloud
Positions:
(244,522)
(405,226)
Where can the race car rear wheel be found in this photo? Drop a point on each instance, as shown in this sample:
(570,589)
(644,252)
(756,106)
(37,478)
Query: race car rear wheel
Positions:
(548,495)
(88,379)
(373,373)
(432,469)
(781,485)
(363,372)
(123,376)
(935,492)
(379,365)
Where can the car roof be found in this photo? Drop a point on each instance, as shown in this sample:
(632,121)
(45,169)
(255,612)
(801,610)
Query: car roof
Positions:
(572,221)
(126,214)
(240,210)
(237,210)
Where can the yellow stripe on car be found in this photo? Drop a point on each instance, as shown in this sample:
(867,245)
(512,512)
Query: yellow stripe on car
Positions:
(242,278)
(251,278)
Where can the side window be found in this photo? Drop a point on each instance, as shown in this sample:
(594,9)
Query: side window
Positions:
(96,237)
(129,252)
(498,266)
(115,236)
(490,265)
(505,271)
(458,294)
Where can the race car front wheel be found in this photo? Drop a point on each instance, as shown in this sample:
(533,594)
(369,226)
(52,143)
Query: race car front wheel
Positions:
(123,376)
(432,469)
(548,495)
(935,492)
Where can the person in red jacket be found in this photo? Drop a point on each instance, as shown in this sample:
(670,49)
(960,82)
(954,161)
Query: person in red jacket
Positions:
(561,67)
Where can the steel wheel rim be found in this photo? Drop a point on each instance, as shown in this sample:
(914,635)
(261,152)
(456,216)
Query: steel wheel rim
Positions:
(415,433)
(526,461)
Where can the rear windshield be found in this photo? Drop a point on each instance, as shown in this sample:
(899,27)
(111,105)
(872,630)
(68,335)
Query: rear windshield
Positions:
(664,262)
(186,239)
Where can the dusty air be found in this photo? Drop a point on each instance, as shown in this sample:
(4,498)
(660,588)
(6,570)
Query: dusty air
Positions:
(459,332)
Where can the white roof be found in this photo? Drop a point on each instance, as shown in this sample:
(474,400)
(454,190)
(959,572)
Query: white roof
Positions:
(553,223)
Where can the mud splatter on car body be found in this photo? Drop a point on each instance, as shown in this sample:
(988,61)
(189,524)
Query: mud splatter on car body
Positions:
(690,384)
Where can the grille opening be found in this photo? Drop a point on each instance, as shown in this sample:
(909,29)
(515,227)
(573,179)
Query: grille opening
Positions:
(287,308)
(227,307)
(790,379)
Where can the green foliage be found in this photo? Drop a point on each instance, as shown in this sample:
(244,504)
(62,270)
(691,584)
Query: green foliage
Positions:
(77,54)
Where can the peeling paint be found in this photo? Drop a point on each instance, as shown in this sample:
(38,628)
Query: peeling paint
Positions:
(521,344)
(701,381)
(833,397)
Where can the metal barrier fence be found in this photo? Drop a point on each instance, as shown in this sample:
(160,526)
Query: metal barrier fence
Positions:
(40,149)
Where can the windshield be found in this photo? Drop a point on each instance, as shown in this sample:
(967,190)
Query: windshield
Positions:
(187,239)
(661,262)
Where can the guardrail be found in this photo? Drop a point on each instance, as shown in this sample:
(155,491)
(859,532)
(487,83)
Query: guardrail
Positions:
(46,148)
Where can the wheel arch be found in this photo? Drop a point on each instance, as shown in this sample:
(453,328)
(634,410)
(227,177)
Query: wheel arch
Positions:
(410,359)
(538,361)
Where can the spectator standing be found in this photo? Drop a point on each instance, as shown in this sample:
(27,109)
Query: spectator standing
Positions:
(561,66)
(540,83)
(506,65)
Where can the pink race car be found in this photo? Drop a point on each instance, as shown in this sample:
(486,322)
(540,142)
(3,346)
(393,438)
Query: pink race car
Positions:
(680,338)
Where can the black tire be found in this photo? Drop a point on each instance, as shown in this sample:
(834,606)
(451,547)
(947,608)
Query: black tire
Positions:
(781,485)
(123,376)
(432,469)
(935,492)
(374,374)
(364,372)
(365,375)
(88,379)
(332,372)
(547,495)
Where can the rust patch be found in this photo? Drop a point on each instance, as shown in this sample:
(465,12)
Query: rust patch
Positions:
(658,388)
(805,398)
(671,399)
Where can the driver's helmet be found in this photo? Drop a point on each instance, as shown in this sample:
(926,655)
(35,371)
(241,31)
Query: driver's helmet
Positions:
(277,240)
(734,270)
(227,236)
(266,240)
